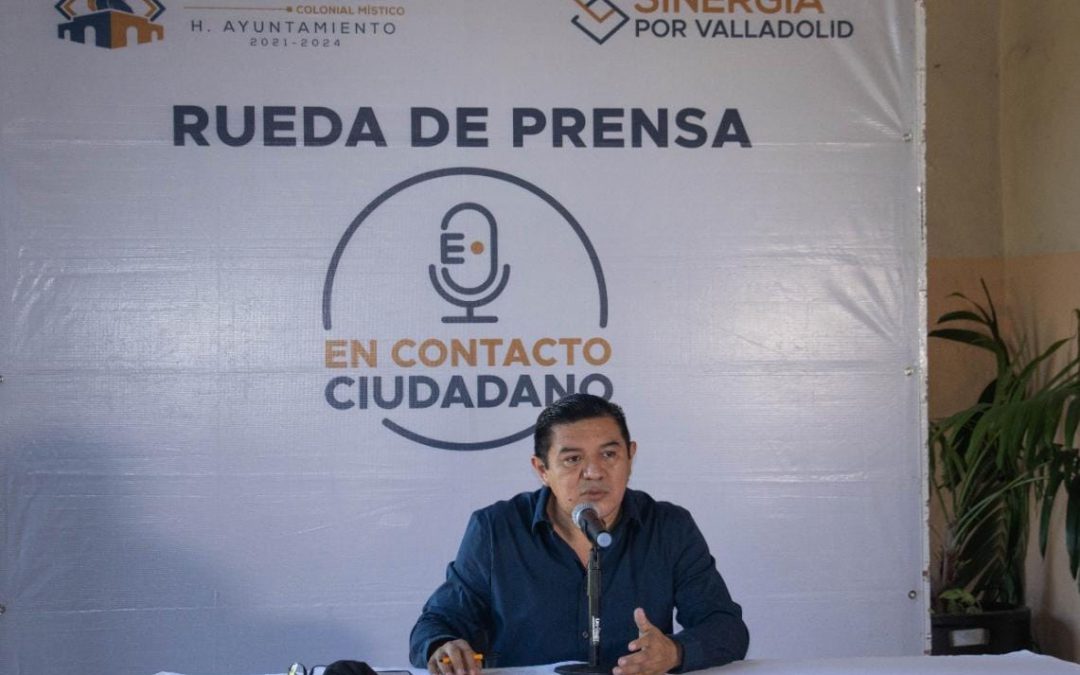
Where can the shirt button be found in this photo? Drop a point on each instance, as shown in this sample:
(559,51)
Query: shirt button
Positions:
(585,634)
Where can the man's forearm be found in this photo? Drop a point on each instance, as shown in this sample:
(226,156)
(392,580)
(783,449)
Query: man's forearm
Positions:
(721,640)
(427,635)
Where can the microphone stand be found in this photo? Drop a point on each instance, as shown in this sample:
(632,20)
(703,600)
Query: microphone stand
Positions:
(592,583)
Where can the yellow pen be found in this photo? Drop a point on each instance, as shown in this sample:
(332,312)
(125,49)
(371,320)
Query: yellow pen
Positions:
(476,657)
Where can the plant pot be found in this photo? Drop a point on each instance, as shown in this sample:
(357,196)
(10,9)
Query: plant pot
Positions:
(995,631)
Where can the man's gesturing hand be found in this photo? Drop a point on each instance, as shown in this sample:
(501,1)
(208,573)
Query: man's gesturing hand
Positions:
(459,657)
(651,653)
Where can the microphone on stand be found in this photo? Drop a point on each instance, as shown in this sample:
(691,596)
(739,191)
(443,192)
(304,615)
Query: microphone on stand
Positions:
(586,517)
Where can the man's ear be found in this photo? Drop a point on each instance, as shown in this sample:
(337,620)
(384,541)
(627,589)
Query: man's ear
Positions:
(633,450)
(540,468)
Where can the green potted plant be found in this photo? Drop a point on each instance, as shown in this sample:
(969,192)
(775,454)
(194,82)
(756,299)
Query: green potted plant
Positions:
(992,464)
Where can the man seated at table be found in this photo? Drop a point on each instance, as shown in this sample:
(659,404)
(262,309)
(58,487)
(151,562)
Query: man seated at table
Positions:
(516,592)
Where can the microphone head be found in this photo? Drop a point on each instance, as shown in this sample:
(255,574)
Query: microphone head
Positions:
(603,538)
(581,508)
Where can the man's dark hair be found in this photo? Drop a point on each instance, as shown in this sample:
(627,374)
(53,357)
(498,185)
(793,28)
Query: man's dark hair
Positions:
(570,409)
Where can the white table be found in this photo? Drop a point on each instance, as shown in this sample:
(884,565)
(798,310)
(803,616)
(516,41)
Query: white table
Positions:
(1017,663)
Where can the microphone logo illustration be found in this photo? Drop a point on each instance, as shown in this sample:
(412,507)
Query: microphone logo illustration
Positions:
(452,252)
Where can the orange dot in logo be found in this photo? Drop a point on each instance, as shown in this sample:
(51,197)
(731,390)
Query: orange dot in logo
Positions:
(477,247)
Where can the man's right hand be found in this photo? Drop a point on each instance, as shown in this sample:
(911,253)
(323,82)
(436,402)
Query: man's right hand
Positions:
(455,657)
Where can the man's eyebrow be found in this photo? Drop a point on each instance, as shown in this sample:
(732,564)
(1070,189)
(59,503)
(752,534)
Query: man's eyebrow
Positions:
(570,448)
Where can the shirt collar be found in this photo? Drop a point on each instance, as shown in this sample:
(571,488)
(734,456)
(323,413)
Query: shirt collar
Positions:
(629,511)
(540,510)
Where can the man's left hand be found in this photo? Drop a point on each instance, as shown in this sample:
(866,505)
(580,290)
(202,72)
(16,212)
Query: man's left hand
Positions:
(652,653)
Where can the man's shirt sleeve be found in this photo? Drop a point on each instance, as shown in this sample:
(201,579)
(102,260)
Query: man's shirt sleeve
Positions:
(713,630)
(460,607)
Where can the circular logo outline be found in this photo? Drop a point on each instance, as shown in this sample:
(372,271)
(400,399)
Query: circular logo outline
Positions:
(339,251)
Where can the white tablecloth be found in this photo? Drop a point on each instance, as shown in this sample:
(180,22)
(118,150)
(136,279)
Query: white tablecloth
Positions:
(1017,663)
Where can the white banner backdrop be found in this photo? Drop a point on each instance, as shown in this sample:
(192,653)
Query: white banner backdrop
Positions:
(284,287)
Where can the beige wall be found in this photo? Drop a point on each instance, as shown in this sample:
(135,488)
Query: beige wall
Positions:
(1003,202)
(963,191)
(963,178)
(1040,139)
(1040,161)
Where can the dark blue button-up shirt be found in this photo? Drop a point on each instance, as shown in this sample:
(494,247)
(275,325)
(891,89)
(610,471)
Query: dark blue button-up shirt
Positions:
(516,591)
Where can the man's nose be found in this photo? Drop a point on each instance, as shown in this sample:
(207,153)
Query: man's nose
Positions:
(593,468)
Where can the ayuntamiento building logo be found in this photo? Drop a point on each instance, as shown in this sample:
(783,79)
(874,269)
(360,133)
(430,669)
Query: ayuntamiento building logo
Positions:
(456,305)
(110,23)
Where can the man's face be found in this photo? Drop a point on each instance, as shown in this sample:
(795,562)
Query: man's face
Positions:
(587,461)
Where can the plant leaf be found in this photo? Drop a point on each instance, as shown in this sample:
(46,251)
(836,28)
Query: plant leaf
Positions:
(1053,484)
(968,337)
(1029,370)
(961,315)
(1072,420)
(1072,526)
